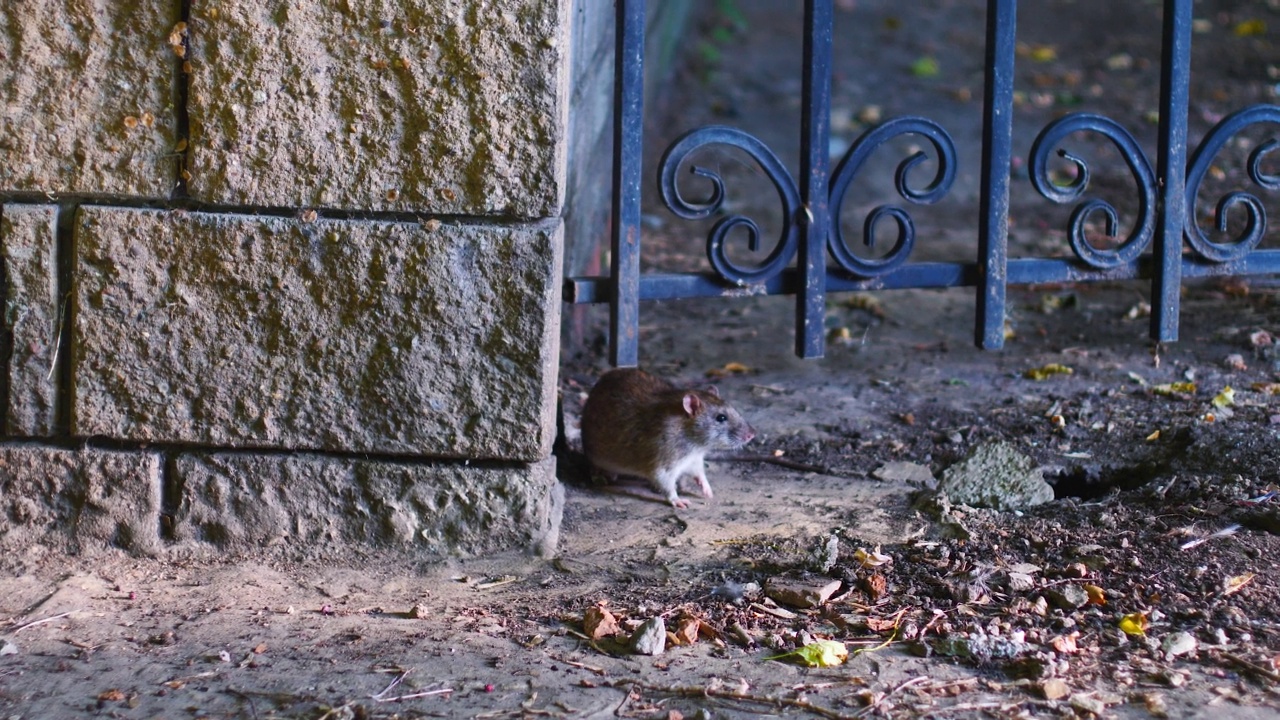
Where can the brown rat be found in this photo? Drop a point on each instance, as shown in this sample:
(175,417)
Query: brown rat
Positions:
(637,424)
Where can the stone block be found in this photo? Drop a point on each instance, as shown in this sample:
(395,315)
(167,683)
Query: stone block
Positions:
(78,501)
(345,336)
(306,505)
(28,252)
(87,91)
(440,106)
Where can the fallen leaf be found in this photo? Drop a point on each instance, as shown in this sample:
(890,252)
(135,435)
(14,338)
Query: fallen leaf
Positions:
(1250,28)
(875,558)
(1225,398)
(1234,584)
(1174,388)
(733,368)
(1065,644)
(1047,371)
(1153,436)
(687,630)
(599,623)
(925,67)
(1096,595)
(820,653)
(1134,624)
(112,695)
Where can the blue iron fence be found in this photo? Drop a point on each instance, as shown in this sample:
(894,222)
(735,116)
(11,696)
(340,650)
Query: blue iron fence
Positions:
(798,264)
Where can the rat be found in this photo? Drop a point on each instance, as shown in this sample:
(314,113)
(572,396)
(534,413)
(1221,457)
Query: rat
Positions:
(638,424)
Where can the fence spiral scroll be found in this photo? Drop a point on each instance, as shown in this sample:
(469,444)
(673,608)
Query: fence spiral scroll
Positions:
(668,185)
(1198,165)
(848,168)
(1144,225)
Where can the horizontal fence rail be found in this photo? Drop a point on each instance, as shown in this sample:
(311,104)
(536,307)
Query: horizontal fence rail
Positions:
(811,257)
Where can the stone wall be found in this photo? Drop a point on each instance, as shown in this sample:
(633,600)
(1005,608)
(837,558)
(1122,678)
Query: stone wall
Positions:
(280,275)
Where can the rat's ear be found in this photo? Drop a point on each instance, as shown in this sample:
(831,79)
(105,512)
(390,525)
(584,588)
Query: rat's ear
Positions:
(712,389)
(692,403)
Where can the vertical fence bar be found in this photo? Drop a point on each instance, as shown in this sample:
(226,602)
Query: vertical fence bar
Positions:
(997,152)
(1171,163)
(628,143)
(815,150)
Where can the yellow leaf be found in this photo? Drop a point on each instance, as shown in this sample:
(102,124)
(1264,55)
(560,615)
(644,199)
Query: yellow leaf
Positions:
(1134,624)
(1096,595)
(1174,388)
(1225,398)
(871,559)
(1051,369)
(1249,28)
(733,368)
(819,653)
(1233,585)
(1044,53)
(1153,436)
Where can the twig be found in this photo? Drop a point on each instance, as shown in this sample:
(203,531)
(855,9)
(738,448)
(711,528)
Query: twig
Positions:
(774,460)
(394,683)
(582,666)
(1254,667)
(913,681)
(34,623)
(687,691)
(427,693)
(1228,530)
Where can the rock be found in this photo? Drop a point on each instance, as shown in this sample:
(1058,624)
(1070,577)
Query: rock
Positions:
(1054,689)
(996,475)
(1179,643)
(908,472)
(650,638)
(420,611)
(804,592)
(1067,597)
(8,648)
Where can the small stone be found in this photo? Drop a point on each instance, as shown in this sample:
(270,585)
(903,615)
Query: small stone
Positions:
(1054,689)
(1067,597)
(908,472)
(1179,643)
(806,592)
(420,611)
(8,648)
(996,475)
(650,638)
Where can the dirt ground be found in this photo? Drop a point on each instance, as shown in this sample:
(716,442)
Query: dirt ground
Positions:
(948,612)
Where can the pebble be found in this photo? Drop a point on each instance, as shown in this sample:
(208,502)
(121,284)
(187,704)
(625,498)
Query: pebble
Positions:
(650,638)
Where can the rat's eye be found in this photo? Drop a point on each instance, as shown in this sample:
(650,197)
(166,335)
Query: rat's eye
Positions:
(722,418)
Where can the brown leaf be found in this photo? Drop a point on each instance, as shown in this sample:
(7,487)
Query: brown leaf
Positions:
(600,623)
(687,630)
(112,695)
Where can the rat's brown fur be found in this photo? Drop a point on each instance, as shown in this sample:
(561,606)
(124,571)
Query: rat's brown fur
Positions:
(637,424)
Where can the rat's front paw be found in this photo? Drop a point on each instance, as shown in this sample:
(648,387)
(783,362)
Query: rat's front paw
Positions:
(677,502)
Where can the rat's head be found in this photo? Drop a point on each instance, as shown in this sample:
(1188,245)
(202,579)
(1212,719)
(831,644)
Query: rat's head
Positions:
(713,423)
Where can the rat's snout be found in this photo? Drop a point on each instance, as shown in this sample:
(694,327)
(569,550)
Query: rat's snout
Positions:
(748,433)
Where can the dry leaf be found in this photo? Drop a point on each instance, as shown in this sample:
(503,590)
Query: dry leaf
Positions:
(1234,584)
(1174,388)
(1047,371)
(600,623)
(1225,398)
(1096,595)
(687,630)
(875,558)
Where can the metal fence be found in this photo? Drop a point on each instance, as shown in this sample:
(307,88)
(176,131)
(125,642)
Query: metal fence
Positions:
(812,257)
